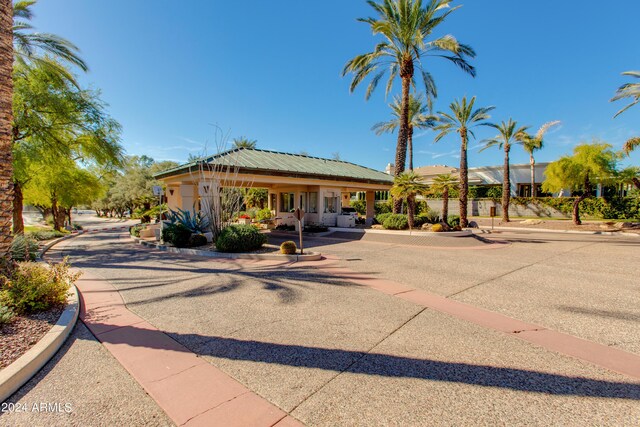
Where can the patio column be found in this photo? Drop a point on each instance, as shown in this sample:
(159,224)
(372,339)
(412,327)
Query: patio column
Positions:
(370,199)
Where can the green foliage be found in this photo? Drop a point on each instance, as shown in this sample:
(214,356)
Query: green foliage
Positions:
(135,230)
(380,218)
(264,214)
(240,238)
(197,240)
(396,222)
(177,234)
(289,247)
(453,220)
(6,314)
(196,223)
(256,197)
(430,217)
(360,206)
(383,207)
(34,287)
(495,193)
(45,234)
(600,208)
(408,184)
(23,248)
(437,228)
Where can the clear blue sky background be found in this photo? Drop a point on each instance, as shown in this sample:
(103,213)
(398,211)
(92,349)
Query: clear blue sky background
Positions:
(270,70)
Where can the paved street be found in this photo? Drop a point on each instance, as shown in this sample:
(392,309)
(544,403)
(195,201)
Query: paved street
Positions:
(331,352)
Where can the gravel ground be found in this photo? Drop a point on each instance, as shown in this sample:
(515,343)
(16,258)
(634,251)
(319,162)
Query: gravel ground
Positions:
(83,385)
(24,332)
(559,224)
(335,353)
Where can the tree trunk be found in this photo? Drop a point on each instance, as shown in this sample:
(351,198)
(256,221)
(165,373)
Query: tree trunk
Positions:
(411,207)
(6,128)
(18,223)
(406,73)
(464,178)
(410,148)
(576,204)
(58,214)
(534,190)
(445,205)
(636,182)
(506,185)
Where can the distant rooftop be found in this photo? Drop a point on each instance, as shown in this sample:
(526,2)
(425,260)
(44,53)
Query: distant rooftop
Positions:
(264,162)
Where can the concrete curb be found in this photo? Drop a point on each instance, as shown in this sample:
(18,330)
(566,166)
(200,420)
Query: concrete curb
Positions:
(26,366)
(548,230)
(310,256)
(52,243)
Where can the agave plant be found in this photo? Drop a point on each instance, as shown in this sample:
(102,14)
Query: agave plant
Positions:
(197,223)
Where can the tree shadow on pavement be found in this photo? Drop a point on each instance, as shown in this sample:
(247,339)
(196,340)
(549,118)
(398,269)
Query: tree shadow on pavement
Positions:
(386,365)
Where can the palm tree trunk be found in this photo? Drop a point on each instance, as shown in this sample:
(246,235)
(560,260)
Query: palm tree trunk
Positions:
(410,148)
(506,185)
(464,179)
(411,207)
(406,73)
(445,204)
(636,182)
(532,162)
(18,223)
(6,119)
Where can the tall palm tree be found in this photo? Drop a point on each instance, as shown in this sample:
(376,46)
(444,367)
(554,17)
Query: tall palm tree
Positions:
(532,143)
(405,27)
(629,90)
(244,142)
(6,118)
(508,134)
(443,184)
(461,119)
(418,119)
(407,186)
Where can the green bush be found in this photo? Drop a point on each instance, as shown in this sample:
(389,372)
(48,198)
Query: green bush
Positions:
(6,314)
(380,218)
(383,207)
(263,214)
(430,217)
(197,240)
(34,287)
(453,220)
(23,248)
(396,222)
(135,230)
(176,234)
(360,206)
(495,193)
(240,238)
(45,234)
(288,248)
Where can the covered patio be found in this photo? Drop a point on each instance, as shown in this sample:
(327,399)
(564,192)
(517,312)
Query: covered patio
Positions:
(321,187)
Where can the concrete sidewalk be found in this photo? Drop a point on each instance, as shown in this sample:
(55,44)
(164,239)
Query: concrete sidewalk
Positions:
(329,351)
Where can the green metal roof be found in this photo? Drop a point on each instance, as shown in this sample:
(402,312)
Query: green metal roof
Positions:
(263,162)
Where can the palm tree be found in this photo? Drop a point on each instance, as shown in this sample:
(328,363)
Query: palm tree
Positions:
(244,142)
(461,120)
(628,90)
(532,143)
(406,27)
(442,184)
(418,119)
(630,145)
(508,134)
(6,118)
(407,186)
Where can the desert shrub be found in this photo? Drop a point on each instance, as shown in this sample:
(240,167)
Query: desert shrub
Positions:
(422,207)
(263,214)
(134,230)
(383,207)
(34,287)
(45,234)
(380,218)
(240,238)
(197,240)
(195,223)
(437,228)
(6,314)
(360,206)
(396,222)
(288,247)
(23,248)
(431,217)
(453,220)
(176,234)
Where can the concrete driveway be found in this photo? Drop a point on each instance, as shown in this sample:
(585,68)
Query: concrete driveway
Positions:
(331,352)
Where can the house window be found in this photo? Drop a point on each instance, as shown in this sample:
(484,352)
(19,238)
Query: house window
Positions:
(313,203)
(303,201)
(287,201)
(330,204)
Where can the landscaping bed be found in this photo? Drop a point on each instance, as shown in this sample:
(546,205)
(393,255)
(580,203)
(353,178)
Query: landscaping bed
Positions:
(24,332)
(562,225)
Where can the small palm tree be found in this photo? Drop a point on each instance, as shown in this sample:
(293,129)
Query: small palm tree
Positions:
(630,175)
(461,119)
(406,28)
(418,119)
(407,186)
(244,142)
(532,143)
(443,184)
(508,134)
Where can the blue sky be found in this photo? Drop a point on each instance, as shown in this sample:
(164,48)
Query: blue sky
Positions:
(270,70)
